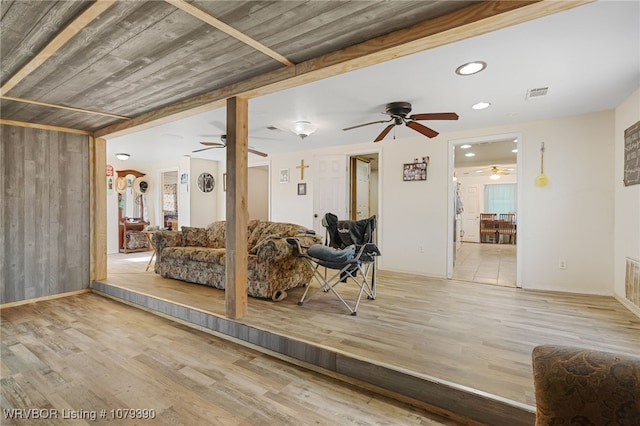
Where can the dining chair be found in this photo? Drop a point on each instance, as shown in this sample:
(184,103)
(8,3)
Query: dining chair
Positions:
(488,227)
(506,229)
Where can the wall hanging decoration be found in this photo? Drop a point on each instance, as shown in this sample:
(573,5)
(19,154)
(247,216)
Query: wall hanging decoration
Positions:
(632,155)
(416,170)
(110,179)
(302,166)
(302,189)
(184,182)
(140,185)
(284,175)
(121,184)
(206,182)
(542,179)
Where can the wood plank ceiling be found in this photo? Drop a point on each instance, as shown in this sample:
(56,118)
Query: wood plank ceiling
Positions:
(124,59)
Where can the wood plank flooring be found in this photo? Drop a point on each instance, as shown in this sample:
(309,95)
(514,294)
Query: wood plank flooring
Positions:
(477,336)
(83,354)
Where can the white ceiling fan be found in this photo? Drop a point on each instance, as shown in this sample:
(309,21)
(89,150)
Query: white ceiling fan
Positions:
(495,172)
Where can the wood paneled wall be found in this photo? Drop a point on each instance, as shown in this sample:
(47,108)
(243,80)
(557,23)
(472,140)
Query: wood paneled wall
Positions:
(44,206)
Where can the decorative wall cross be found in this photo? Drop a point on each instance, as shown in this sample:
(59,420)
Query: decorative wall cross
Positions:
(302,167)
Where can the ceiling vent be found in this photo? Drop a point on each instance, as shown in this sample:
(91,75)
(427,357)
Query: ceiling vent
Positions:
(536,93)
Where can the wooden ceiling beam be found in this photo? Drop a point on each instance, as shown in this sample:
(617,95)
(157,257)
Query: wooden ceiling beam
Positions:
(469,22)
(84,19)
(216,23)
(44,127)
(86,111)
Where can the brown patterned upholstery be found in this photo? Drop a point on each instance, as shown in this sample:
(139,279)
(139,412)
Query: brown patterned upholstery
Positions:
(582,387)
(197,255)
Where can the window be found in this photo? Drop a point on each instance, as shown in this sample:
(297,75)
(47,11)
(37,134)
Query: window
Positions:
(501,198)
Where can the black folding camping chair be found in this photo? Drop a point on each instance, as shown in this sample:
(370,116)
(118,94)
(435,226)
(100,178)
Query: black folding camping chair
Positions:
(349,250)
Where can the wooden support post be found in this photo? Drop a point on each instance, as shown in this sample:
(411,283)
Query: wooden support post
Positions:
(237,208)
(98,197)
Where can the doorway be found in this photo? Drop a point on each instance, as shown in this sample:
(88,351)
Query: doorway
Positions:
(169,199)
(363,187)
(484,180)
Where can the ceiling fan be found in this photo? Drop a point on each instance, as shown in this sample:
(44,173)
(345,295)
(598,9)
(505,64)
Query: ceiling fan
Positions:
(495,172)
(223,144)
(398,112)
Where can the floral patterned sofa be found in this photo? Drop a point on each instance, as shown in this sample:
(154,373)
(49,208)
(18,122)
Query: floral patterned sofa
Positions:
(197,255)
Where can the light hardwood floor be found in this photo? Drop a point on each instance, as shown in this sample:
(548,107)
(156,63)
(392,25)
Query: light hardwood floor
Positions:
(486,263)
(83,354)
(477,336)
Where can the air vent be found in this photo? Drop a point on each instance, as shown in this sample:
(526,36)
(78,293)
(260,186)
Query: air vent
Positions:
(537,92)
(272,128)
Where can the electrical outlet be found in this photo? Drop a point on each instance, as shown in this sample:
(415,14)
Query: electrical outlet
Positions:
(562,264)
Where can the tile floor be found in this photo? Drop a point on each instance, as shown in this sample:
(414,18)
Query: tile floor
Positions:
(486,263)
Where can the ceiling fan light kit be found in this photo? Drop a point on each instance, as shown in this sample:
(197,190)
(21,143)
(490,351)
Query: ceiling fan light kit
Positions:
(304,128)
(398,111)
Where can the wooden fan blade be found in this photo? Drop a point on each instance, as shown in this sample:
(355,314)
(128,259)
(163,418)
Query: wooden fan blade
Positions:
(384,132)
(214,144)
(435,116)
(430,133)
(256,152)
(204,149)
(367,124)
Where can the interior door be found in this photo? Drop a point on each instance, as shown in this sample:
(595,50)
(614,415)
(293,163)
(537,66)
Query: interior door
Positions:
(470,217)
(330,189)
(363,173)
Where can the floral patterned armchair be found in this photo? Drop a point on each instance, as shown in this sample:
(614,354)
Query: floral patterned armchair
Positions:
(583,387)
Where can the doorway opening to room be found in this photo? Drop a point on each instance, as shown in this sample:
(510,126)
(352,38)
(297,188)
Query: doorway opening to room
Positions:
(169,198)
(363,186)
(485,210)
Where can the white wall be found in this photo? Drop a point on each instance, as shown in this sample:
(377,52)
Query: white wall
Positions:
(571,219)
(627,199)
(203,205)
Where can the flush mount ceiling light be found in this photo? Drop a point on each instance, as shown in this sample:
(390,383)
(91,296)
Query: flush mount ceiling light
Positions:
(471,68)
(466,146)
(304,128)
(122,156)
(481,105)
(469,154)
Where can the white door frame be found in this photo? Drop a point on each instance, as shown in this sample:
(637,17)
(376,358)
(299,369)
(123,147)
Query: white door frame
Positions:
(451,199)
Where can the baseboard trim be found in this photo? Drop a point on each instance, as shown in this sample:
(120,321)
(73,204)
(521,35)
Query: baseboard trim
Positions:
(43,298)
(627,304)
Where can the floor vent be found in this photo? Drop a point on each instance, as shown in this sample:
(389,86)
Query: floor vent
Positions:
(537,93)
(632,282)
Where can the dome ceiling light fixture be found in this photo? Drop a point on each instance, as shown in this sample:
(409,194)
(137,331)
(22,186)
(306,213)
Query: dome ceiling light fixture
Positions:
(471,68)
(304,128)
(123,156)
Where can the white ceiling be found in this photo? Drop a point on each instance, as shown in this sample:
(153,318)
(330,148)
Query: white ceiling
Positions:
(588,57)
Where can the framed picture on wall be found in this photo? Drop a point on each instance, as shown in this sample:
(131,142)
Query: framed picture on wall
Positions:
(284,175)
(414,171)
(302,189)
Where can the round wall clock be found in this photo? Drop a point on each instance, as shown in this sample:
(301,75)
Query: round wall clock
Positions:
(206,183)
